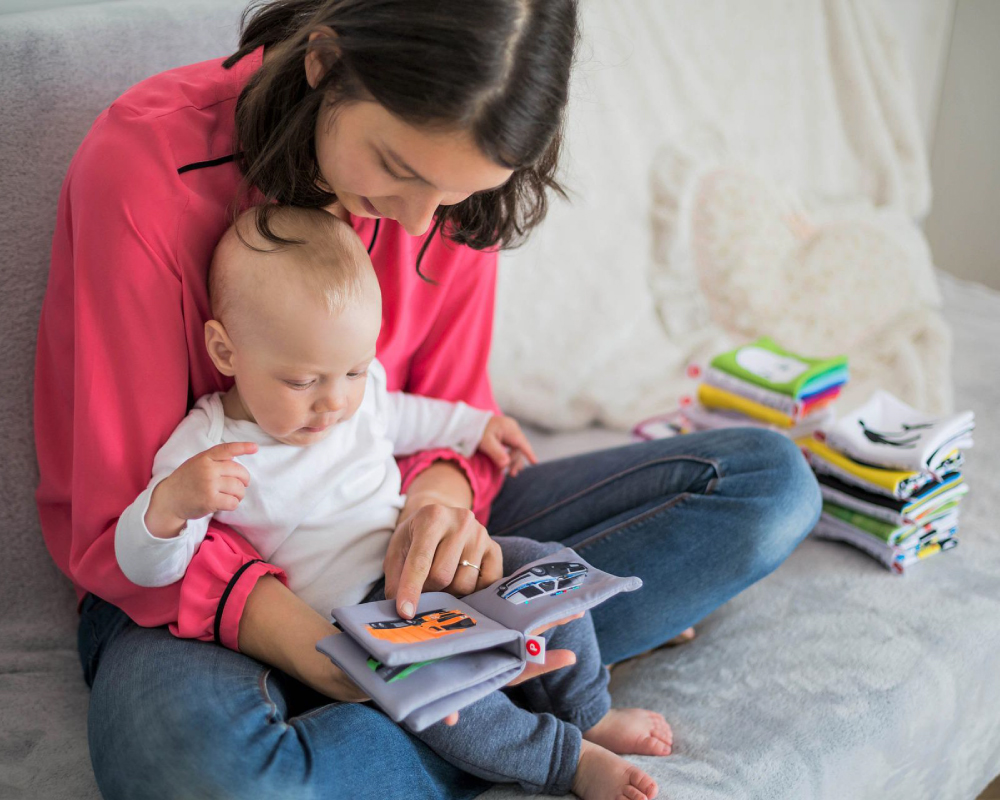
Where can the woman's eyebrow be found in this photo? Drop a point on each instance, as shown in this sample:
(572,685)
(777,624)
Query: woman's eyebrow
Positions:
(400,163)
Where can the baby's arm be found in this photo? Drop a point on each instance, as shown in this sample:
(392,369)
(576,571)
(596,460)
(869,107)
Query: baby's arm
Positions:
(159,533)
(420,423)
(415,423)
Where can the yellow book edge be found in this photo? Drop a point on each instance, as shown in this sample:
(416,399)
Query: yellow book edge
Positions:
(714,397)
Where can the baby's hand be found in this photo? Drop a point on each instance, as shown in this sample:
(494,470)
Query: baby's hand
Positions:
(501,433)
(204,484)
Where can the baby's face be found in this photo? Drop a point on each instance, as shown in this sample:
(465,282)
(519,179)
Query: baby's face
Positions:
(305,370)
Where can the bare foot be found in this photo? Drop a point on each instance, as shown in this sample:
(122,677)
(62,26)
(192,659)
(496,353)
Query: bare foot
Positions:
(680,638)
(634,731)
(601,775)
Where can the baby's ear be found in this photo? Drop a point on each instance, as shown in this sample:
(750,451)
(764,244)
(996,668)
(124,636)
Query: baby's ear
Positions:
(219,346)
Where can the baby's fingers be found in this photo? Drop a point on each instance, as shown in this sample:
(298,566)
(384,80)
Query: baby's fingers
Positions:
(234,469)
(514,437)
(228,450)
(495,450)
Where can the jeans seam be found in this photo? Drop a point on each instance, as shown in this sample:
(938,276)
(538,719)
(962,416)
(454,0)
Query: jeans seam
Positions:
(609,479)
(314,711)
(625,524)
(262,685)
(628,523)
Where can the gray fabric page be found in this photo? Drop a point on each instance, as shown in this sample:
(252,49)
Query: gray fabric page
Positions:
(550,588)
(448,684)
(454,628)
(439,709)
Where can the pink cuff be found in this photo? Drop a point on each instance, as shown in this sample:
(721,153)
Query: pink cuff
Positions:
(215,588)
(483,475)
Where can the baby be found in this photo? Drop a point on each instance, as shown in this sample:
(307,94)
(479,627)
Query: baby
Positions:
(298,456)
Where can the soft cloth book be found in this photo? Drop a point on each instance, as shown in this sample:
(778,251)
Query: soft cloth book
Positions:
(888,432)
(455,651)
(771,367)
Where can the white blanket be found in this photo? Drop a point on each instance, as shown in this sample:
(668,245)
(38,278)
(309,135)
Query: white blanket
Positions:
(736,169)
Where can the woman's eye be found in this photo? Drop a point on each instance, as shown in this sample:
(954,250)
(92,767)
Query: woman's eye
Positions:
(295,385)
(385,166)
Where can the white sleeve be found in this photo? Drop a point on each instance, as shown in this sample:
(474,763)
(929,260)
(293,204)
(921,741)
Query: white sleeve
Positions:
(148,560)
(415,423)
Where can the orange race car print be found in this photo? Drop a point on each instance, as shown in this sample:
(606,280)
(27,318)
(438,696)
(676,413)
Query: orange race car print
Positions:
(543,580)
(423,627)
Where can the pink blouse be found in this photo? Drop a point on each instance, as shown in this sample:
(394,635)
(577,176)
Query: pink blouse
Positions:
(121,351)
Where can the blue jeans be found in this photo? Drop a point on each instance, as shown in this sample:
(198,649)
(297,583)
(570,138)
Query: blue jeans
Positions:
(698,517)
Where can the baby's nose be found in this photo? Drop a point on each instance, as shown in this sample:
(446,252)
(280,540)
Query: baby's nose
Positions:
(333,403)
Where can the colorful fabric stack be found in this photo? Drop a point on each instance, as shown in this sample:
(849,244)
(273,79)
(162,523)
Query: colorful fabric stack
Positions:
(764,385)
(891,479)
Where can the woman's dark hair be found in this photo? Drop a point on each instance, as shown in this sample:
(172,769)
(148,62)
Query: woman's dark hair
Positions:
(497,68)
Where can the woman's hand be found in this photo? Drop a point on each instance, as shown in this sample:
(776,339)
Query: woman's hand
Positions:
(426,551)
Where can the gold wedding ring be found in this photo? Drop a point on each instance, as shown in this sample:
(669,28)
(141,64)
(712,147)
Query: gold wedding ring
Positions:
(469,564)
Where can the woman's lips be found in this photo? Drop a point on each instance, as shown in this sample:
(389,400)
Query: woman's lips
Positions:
(369,207)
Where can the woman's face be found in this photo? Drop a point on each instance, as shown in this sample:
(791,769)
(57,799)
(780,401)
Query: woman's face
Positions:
(380,166)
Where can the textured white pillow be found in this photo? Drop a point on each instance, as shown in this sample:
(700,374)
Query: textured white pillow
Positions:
(737,253)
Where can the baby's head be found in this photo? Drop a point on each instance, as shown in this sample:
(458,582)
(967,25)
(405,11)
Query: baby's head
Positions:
(296,325)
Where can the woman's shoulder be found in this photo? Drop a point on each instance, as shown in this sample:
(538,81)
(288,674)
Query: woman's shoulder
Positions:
(163,123)
(195,86)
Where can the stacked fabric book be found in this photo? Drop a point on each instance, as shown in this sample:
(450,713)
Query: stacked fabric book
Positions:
(891,479)
(762,385)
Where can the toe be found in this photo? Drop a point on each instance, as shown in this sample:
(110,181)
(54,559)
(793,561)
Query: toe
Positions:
(641,781)
(654,747)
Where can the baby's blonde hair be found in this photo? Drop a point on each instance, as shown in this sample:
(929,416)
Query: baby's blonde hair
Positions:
(325,254)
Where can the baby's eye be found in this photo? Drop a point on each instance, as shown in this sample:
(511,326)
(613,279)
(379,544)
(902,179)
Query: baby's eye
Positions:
(295,385)
(357,374)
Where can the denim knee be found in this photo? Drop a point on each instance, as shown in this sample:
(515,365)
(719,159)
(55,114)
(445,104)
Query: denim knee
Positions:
(788,502)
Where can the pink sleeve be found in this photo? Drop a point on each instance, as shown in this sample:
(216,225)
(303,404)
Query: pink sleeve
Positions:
(451,363)
(111,381)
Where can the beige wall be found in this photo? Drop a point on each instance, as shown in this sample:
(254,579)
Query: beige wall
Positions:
(964,224)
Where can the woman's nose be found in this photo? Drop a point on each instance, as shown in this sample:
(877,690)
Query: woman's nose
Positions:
(419,211)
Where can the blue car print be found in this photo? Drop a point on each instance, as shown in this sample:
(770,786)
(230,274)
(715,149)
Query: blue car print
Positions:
(542,580)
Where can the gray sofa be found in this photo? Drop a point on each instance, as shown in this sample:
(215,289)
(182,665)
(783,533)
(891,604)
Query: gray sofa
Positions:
(829,679)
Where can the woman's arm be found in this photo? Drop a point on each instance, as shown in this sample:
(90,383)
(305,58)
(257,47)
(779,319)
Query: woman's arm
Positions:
(279,629)
(111,380)
(452,361)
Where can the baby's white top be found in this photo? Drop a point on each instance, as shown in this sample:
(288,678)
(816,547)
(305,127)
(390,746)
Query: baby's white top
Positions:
(323,513)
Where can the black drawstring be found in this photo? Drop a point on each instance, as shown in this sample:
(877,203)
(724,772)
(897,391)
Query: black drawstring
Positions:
(374,235)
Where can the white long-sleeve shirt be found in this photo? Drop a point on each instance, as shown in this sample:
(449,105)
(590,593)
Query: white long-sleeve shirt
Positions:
(324,513)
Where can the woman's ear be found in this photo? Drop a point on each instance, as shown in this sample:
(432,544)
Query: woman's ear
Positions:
(315,65)
(220,347)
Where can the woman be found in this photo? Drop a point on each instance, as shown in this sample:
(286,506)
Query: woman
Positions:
(435,133)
